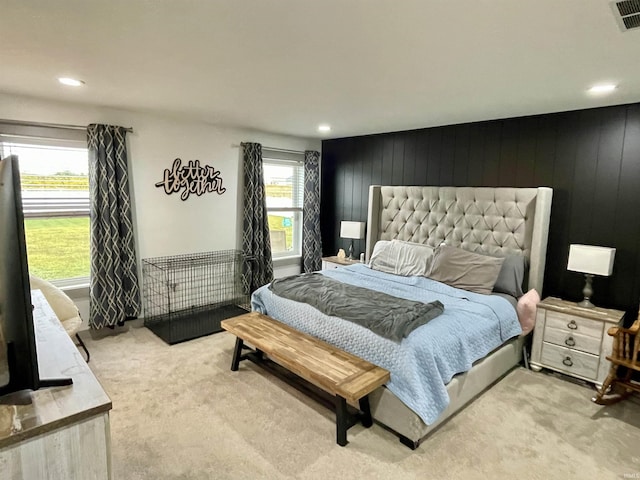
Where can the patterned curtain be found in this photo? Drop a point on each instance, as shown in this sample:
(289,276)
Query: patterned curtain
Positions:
(256,244)
(114,294)
(311,244)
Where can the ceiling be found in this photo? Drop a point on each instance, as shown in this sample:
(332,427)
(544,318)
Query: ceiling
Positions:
(285,66)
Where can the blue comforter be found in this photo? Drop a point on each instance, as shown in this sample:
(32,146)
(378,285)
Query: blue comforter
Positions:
(421,365)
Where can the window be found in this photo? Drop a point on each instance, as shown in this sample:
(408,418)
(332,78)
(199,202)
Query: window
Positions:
(284,186)
(55,201)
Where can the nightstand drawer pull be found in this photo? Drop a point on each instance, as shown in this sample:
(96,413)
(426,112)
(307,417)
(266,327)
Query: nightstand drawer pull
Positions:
(569,341)
(572,325)
(567,361)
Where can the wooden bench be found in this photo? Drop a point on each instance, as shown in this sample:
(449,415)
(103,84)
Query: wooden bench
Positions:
(344,376)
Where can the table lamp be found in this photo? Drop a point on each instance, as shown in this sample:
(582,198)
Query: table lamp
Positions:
(591,261)
(352,230)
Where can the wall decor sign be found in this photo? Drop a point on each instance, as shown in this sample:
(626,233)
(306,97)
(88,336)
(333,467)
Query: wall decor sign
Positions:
(191,178)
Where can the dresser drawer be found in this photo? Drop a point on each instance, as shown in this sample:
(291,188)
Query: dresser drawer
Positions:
(572,339)
(570,361)
(574,324)
(329,265)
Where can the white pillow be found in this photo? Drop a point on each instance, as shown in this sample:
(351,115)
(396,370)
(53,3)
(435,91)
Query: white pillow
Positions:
(381,258)
(401,258)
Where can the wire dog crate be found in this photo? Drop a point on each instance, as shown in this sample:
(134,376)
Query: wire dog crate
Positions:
(186,296)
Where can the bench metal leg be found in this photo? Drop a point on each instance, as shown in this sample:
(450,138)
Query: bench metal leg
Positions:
(367,421)
(342,419)
(237,353)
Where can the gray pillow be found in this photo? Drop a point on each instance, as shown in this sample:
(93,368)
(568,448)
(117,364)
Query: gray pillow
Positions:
(511,276)
(467,270)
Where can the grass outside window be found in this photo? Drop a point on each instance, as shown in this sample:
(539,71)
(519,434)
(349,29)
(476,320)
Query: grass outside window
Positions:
(58,247)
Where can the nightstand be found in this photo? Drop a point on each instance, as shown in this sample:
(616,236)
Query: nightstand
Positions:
(329,263)
(573,340)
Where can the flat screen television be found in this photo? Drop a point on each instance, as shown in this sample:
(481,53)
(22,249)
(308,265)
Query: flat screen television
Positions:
(18,354)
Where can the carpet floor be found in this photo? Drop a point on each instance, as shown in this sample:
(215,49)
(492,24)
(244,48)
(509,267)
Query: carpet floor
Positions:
(180,413)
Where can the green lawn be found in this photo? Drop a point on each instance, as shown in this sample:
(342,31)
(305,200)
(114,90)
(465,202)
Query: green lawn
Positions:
(58,247)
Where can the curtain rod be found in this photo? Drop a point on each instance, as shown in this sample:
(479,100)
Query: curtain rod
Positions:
(281,150)
(39,137)
(51,125)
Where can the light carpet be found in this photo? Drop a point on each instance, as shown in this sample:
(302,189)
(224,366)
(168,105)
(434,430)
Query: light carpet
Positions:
(180,413)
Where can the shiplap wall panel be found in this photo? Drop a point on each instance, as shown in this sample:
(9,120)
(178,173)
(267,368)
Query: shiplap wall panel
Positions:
(461,156)
(491,149)
(508,153)
(476,141)
(433,157)
(546,144)
(628,206)
(563,174)
(590,157)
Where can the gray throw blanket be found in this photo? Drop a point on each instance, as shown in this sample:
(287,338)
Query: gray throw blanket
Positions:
(388,316)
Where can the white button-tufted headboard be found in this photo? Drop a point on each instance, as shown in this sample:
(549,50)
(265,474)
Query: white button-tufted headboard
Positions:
(496,221)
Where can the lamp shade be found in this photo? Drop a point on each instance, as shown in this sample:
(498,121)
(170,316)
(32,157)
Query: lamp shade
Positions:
(591,260)
(352,229)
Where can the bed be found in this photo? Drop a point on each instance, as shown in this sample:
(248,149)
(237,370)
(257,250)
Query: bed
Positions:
(492,221)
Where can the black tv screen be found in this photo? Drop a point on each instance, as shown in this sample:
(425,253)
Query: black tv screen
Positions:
(18,357)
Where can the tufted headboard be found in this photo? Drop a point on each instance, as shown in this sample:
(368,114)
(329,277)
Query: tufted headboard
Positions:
(496,221)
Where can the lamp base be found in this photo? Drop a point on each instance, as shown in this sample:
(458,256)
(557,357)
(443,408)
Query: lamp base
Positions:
(585,304)
(587,291)
(350,257)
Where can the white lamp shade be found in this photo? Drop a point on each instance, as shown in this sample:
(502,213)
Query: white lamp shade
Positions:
(352,229)
(590,259)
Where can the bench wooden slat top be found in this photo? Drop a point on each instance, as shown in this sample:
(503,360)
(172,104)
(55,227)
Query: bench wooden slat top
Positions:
(327,367)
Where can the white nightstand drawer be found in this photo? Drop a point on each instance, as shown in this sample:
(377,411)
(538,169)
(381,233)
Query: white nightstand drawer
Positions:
(574,340)
(329,265)
(570,361)
(574,324)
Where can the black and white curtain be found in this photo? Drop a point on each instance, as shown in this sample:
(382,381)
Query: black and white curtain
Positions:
(256,243)
(114,294)
(311,244)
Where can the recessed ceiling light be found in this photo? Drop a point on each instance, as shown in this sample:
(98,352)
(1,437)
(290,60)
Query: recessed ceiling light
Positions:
(71,82)
(603,88)
(324,128)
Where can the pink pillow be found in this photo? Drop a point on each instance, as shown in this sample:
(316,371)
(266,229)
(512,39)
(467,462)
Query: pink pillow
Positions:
(526,308)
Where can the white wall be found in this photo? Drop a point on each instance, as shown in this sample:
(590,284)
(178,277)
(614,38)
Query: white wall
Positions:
(166,225)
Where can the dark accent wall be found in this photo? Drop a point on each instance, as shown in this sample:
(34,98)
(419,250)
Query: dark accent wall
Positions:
(591,158)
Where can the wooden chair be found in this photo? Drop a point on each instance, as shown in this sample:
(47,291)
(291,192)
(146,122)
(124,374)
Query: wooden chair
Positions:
(625,362)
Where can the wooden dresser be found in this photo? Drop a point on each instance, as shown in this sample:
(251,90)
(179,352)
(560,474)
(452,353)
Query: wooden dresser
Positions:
(573,340)
(60,432)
